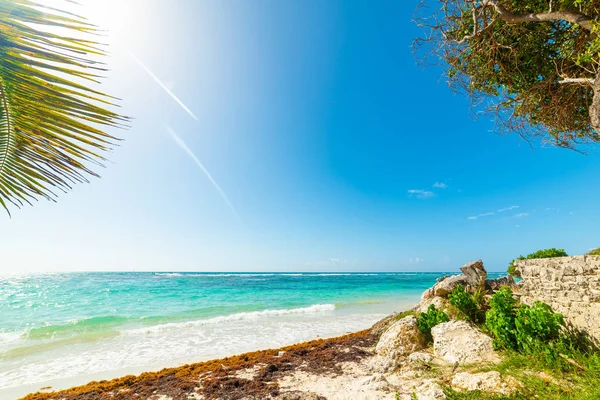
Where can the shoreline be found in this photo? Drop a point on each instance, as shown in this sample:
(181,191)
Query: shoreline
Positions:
(76,381)
(323,355)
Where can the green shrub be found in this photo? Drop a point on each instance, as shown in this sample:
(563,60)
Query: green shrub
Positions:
(528,329)
(429,319)
(537,328)
(595,252)
(548,253)
(464,303)
(500,319)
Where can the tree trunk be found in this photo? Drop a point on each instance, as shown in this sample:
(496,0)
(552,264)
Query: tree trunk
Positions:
(595,107)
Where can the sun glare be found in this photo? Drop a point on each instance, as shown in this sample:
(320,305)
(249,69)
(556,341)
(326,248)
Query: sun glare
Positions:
(112,17)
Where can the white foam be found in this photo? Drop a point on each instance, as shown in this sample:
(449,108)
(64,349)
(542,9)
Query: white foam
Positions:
(243,316)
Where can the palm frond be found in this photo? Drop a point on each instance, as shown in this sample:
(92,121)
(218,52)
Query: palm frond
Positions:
(51,121)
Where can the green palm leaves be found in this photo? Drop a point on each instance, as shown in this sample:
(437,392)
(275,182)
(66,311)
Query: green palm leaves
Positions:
(50,121)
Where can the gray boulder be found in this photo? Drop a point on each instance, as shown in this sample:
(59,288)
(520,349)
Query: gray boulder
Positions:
(446,286)
(496,284)
(475,273)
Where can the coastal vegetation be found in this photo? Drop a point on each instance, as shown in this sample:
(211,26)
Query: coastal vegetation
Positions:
(532,65)
(547,253)
(595,252)
(51,120)
(430,318)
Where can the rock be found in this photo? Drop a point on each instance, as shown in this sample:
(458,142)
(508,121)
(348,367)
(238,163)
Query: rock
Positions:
(496,284)
(402,338)
(486,382)
(440,303)
(427,295)
(297,395)
(461,342)
(384,324)
(429,390)
(380,364)
(446,286)
(475,273)
(375,382)
(420,357)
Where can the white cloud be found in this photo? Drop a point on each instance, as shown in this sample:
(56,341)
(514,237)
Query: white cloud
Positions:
(521,215)
(507,209)
(421,194)
(481,215)
(417,260)
(487,214)
(440,185)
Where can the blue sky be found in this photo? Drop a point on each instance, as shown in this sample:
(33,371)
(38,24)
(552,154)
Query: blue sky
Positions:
(334,149)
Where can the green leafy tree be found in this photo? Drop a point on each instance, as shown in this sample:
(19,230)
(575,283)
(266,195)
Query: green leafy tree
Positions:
(51,121)
(547,253)
(533,64)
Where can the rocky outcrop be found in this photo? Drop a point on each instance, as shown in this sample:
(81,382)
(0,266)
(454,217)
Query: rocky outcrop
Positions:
(401,339)
(447,285)
(486,382)
(381,326)
(420,357)
(570,285)
(440,303)
(429,390)
(475,273)
(461,342)
(496,284)
(473,277)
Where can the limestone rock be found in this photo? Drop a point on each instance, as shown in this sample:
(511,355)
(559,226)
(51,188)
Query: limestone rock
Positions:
(461,342)
(429,390)
(384,324)
(475,273)
(427,295)
(420,357)
(485,381)
(297,395)
(447,285)
(375,382)
(381,364)
(402,338)
(496,284)
(440,303)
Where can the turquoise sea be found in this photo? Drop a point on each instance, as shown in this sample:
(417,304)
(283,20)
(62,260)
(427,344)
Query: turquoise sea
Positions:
(74,327)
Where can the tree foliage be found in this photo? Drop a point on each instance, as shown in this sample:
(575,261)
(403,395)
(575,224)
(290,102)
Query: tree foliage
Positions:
(50,119)
(546,253)
(532,64)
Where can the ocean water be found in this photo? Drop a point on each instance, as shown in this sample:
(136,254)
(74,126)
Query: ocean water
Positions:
(78,326)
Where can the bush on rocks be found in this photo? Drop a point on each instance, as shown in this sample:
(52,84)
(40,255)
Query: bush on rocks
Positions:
(547,253)
(429,319)
(466,306)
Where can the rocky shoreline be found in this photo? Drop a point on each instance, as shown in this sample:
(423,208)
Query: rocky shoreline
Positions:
(392,360)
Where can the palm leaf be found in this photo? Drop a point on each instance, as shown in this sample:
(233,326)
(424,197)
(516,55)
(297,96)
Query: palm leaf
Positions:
(51,121)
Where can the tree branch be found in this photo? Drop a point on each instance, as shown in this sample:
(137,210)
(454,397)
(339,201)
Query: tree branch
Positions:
(570,16)
(587,81)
